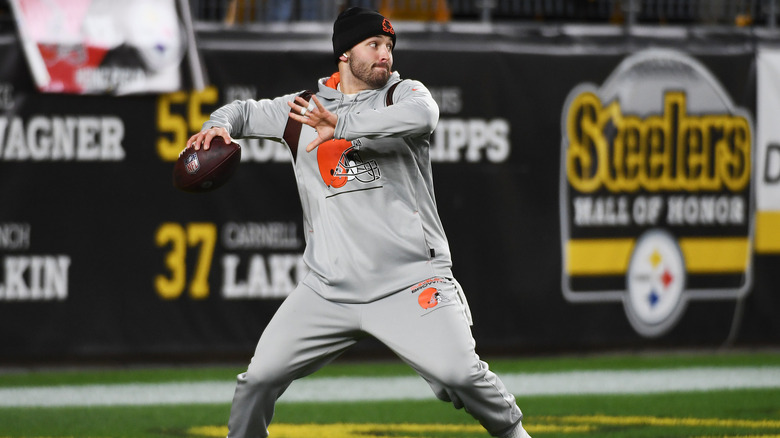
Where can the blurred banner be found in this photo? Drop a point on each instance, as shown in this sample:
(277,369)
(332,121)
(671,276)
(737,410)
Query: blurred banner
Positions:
(656,206)
(595,197)
(102,46)
(768,152)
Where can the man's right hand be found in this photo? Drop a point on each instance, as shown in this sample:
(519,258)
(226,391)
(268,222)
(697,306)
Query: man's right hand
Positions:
(203,138)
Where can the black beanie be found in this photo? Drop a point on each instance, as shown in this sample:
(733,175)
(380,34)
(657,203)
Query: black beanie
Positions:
(355,25)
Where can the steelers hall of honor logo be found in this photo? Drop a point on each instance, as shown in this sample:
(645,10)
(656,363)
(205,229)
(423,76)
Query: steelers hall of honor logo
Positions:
(655,283)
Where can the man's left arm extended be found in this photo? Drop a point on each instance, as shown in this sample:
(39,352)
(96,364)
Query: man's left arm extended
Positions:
(413,113)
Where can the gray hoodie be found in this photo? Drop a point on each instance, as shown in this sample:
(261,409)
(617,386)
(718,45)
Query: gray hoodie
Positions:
(369,211)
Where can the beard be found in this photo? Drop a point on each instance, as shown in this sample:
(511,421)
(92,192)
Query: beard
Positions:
(375,78)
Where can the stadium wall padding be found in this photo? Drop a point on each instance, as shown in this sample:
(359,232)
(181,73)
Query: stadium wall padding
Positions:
(100,257)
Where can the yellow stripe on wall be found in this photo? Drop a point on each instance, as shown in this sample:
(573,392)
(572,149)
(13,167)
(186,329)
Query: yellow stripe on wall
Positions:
(598,256)
(768,232)
(703,255)
(715,255)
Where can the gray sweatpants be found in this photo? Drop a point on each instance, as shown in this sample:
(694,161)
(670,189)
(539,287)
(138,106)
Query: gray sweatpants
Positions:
(425,325)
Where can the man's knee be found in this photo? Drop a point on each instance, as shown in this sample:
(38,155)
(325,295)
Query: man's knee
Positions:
(460,377)
(261,375)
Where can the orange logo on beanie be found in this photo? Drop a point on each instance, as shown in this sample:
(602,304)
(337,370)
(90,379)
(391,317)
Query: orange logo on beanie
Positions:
(387,27)
(429,298)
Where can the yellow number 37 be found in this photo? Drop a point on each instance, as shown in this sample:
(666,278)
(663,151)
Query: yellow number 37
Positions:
(178,239)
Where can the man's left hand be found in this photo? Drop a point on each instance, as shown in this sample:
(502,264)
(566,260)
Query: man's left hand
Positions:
(322,120)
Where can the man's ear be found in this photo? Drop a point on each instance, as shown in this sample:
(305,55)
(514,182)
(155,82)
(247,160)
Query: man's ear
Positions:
(344,57)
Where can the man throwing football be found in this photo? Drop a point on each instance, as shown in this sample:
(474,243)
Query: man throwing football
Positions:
(378,258)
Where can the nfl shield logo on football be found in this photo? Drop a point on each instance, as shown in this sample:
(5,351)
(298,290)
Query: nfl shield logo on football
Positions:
(191,163)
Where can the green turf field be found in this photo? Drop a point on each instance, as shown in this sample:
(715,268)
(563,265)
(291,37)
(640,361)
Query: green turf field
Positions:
(743,413)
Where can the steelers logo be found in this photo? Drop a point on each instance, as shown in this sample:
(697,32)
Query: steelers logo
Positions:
(655,283)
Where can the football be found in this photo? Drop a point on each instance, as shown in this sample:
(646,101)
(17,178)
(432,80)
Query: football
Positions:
(205,170)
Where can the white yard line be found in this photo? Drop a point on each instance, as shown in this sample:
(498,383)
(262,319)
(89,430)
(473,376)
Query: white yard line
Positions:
(398,388)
